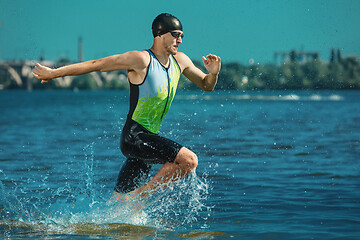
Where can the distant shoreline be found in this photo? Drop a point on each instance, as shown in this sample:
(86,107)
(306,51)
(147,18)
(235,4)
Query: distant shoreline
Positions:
(314,74)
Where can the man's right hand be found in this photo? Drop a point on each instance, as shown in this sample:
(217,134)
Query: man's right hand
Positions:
(43,73)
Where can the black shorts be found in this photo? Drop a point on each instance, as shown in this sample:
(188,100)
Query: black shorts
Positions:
(142,148)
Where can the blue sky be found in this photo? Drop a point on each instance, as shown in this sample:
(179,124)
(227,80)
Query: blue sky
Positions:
(235,30)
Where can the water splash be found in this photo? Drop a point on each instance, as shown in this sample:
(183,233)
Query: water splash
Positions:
(76,203)
(181,204)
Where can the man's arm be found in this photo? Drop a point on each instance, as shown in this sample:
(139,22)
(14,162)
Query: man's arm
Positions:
(206,82)
(127,61)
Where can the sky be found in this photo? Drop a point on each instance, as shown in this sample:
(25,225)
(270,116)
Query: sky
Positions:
(235,30)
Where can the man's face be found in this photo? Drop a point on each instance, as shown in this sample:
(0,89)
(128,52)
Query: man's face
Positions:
(172,41)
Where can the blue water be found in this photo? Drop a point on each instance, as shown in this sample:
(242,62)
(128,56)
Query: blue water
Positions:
(272,165)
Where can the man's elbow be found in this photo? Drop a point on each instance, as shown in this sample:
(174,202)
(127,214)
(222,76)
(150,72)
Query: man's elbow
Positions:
(208,88)
(209,83)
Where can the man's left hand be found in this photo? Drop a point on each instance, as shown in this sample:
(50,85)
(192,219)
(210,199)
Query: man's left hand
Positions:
(212,63)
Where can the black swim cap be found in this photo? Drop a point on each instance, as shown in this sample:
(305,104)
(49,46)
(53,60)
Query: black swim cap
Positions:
(165,23)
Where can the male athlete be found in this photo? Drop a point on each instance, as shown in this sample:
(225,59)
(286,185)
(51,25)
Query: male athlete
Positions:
(153,77)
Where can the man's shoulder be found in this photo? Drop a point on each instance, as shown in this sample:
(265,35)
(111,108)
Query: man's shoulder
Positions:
(142,58)
(141,55)
(183,60)
(181,57)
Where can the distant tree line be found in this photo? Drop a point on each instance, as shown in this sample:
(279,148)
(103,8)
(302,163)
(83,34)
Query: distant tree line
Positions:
(338,73)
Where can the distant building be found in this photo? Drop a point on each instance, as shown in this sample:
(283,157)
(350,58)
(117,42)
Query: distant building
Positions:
(295,56)
(80,50)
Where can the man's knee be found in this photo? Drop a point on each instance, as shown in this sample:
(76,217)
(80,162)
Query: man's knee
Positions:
(187,159)
(191,160)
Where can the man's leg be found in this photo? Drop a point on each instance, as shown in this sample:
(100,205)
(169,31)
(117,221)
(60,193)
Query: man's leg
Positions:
(184,163)
(131,175)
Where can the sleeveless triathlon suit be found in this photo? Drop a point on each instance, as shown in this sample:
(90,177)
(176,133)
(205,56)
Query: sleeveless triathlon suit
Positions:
(140,142)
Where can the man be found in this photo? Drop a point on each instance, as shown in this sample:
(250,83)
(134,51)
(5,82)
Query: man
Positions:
(153,77)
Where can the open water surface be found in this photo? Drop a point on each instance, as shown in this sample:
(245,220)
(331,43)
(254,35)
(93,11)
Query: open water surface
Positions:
(272,165)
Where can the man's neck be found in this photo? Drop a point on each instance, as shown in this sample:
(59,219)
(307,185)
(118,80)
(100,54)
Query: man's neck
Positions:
(162,56)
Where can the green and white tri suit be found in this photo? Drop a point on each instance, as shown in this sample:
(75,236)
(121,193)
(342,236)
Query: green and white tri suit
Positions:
(151,100)
(140,142)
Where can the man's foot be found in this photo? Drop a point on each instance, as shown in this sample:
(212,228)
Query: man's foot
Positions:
(123,197)
(130,198)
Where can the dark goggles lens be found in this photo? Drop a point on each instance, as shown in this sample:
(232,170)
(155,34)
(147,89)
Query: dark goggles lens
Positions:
(177,35)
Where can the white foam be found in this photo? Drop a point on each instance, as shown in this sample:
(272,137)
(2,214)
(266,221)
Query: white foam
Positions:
(335,97)
(289,97)
(316,97)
